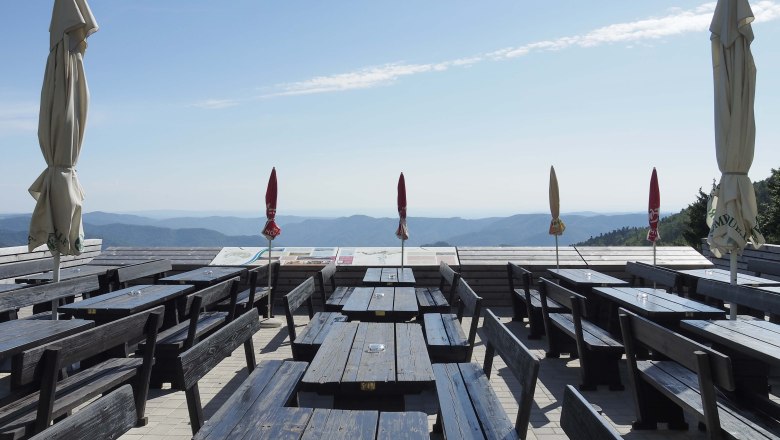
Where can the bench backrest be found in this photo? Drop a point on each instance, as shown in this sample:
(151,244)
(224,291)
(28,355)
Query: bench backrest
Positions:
(28,369)
(644,275)
(45,293)
(471,303)
(155,269)
(580,421)
(754,298)
(764,267)
(294,299)
(448,280)
(520,361)
(517,273)
(106,418)
(712,368)
(196,362)
(204,298)
(326,276)
(21,268)
(565,297)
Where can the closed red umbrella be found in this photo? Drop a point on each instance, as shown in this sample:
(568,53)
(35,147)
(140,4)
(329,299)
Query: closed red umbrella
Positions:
(653,214)
(402,232)
(271,231)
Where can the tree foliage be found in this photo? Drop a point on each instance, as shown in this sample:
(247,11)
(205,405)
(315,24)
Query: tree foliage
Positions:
(769,208)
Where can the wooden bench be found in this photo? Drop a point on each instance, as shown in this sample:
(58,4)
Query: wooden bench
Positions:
(106,418)
(183,336)
(338,294)
(468,406)
(432,299)
(647,275)
(758,302)
(195,362)
(121,277)
(45,294)
(256,293)
(444,334)
(27,267)
(687,381)
(305,345)
(526,302)
(103,368)
(580,421)
(264,394)
(598,351)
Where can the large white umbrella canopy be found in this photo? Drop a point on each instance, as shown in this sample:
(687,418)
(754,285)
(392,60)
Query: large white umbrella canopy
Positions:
(56,220)
(734,222)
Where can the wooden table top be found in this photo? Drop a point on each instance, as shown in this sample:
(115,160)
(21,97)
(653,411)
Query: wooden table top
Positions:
(389,276)
(725,276)
(753,338)
(127,301)
(21,334)
(381,303)
(204,276)
(657,303)
(586,277)
(370,357)
(66,273)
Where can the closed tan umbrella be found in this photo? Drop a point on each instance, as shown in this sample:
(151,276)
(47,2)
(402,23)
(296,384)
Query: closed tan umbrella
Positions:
(734,77)
(556,224)
(56,219)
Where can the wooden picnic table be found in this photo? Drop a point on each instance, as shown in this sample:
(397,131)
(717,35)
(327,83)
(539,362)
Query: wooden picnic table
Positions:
(753,346)
(125,302)
(21,334)
(654,304)
(691,278)
(204,276)
(393,304)
(66,273)
(582,281)
(369,359)
(389,276)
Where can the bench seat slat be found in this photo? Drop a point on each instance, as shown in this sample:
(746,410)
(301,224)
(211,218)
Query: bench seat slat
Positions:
(318,327)
(594,336)
(454,330)
(435,334)
(457,414)
(431,300)
(173,339)
(536,302)
(494,420)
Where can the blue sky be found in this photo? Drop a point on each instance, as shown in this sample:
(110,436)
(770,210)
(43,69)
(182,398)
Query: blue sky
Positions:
(193,102)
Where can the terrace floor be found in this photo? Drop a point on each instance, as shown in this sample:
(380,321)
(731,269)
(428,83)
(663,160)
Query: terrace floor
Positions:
(168,417)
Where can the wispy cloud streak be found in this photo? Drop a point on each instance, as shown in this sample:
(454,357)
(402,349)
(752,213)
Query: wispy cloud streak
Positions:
(18,117)
(675,23)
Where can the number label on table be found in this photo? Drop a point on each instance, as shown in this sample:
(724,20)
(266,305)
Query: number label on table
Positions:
(380,313)
(90,311)
(367,386)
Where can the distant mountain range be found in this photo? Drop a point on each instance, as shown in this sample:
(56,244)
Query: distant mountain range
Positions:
(356,230)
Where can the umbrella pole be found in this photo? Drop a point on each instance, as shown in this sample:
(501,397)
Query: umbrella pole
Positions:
(55,278)
(402,256)
(557,265)
(733,269)
(653,262)
(269,321)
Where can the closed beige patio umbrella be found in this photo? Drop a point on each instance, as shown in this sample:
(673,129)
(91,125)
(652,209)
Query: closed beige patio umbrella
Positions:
(56,219)
(734,77)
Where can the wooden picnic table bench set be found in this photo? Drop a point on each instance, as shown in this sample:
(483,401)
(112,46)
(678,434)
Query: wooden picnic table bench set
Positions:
(682,355)
(376,357)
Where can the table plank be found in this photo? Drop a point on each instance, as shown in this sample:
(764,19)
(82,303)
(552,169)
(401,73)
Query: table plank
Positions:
(204,276)
(724,276)
(414,364)
(405,300)
(327,367)
(21,334)
(757,341)
(366,362)
(66,274)
(586,277)
(341,424)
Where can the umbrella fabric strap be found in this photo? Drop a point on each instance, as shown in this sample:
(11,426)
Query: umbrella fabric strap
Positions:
(59,168)
(735,174)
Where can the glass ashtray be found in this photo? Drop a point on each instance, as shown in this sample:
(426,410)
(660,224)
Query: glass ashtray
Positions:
(376,348)
(379,294)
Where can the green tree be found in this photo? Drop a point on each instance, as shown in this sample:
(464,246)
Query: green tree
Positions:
(696,222)
(769,209)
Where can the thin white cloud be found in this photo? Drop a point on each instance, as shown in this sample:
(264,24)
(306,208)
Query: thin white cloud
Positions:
(18,117)
(213,104)
(676,22)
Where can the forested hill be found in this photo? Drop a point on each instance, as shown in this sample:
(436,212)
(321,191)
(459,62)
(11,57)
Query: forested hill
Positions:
(688,226)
